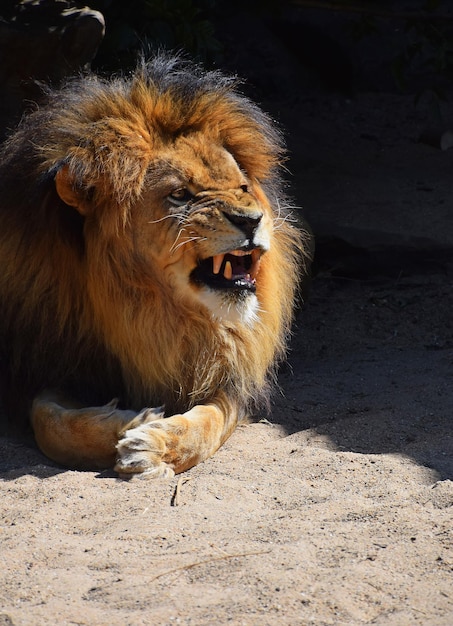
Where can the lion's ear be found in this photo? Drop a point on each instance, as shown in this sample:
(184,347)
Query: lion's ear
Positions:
(67,190)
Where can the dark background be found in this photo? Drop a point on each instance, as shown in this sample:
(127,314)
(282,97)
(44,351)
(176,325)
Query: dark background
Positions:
(346,80)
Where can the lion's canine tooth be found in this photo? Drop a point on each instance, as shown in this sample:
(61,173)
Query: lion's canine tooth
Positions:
(256,253)
(217,263)
(256,261)
(228,272)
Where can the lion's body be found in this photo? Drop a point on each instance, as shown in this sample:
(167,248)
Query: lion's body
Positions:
(116,199)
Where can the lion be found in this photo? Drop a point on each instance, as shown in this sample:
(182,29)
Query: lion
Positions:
(147,257)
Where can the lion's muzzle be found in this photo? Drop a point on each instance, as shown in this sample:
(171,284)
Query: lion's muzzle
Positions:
(247,223)
(239,236)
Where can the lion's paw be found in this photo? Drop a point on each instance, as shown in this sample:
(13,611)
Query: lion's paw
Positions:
(140,452)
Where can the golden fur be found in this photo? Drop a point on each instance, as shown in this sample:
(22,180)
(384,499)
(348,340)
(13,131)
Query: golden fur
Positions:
(116,198)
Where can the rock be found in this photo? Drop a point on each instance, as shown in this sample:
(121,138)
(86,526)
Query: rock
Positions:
(42,41)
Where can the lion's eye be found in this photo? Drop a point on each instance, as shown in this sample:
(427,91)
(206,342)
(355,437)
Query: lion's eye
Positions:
(245,188)
(180,196)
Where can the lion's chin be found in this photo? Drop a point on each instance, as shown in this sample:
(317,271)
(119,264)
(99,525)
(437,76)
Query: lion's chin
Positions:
(234,307)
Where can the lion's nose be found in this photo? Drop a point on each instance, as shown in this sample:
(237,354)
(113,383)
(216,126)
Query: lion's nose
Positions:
(247,223)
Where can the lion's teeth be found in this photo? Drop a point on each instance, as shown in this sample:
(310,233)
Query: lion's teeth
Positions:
(255,269)
(228,271)
(256,254)
(256,261)
(217,263)
(239,253)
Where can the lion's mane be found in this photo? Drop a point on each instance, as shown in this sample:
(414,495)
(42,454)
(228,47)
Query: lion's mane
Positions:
(79,309)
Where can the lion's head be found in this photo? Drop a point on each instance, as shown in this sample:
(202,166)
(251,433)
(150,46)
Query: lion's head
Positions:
(199,223)
(145,227)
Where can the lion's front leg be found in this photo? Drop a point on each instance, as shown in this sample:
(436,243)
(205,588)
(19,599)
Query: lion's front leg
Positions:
(82,437)
(174,444)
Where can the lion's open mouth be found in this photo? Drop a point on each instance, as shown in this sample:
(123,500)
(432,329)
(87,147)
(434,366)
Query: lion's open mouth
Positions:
(237,269)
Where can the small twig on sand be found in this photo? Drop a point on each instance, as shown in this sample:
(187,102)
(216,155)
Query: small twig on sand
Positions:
(211,560)
(179,484)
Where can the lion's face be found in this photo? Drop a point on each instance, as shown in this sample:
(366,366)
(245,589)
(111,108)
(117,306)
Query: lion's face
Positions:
(205,226)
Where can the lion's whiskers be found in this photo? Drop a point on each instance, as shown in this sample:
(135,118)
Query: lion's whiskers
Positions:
(179,216)
(186,241)
(180,231)
(279,221)
(289,217)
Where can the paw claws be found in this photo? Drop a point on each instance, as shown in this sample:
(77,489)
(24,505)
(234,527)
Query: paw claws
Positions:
(150,415)
(141,468)
(140,453)
(147,416)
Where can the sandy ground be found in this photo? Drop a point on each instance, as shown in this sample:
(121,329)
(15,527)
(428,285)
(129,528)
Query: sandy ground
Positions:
(337,510)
